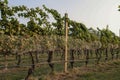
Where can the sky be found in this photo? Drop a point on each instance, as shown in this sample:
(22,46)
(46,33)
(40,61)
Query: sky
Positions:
(92,13)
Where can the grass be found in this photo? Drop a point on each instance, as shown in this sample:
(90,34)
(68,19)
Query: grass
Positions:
(104,71)
(13,76)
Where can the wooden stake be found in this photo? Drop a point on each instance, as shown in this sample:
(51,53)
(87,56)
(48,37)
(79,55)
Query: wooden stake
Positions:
(66,40)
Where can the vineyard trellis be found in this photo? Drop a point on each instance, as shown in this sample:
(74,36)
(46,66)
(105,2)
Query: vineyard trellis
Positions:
(43,42)
(54,47)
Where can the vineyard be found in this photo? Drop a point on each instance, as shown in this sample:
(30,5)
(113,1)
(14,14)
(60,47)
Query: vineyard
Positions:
(38,47)
(36,52)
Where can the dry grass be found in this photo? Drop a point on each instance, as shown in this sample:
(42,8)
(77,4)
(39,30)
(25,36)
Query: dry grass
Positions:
(78,72)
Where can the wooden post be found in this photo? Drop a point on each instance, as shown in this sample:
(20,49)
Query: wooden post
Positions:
(66,40)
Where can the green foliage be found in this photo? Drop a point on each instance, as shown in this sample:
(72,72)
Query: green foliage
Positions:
(59,24)
(38,24)
(79,30)
(108,37)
